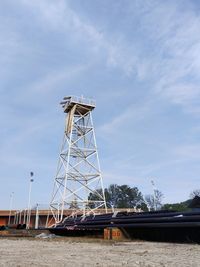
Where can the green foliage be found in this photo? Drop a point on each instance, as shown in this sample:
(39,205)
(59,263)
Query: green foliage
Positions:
(182,206)
(122,196)
(74,204)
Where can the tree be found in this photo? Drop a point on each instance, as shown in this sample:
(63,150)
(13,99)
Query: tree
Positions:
(158,199)
(149,200)
(112,195)
(182,206)
(129,197)
(94,197)
(122,196)
(74,205)
(154,202)
(195,193)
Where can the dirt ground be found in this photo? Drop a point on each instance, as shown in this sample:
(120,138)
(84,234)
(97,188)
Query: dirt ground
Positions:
(74,252)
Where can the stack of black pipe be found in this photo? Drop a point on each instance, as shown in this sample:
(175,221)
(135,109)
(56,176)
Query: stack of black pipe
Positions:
(158,226)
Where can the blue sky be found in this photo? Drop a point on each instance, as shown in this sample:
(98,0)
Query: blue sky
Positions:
(140,60)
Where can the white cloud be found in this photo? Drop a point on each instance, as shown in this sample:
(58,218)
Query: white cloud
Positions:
(122,121)
(53,80)
(183,94)
(60,17)
(178,41)
(188,152)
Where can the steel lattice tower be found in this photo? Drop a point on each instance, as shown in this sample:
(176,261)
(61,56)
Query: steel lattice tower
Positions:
(78,182)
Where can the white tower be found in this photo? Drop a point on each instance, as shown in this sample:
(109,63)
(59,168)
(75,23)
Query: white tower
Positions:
(78,182)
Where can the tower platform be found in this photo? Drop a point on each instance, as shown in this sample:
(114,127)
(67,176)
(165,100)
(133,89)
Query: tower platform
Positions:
(83,105)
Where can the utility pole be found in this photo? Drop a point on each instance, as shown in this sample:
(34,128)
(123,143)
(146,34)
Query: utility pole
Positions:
(154,195)
(29,202)
(11,202)
(37,216)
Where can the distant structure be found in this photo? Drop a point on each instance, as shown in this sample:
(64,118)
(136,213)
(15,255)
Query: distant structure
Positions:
(78,182)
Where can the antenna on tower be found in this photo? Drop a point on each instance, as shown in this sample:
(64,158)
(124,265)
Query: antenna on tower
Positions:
(78,184)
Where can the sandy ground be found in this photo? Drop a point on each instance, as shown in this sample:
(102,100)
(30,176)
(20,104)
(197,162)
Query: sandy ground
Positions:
(71,252)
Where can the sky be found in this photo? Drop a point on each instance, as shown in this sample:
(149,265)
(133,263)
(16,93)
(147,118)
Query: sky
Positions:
(139,60)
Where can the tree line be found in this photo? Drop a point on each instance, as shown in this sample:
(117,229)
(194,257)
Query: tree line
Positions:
(184,205)
(124,196)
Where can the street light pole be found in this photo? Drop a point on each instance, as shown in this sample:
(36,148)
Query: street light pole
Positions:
(36,216)
(154,194)
(11,202)
(29,202)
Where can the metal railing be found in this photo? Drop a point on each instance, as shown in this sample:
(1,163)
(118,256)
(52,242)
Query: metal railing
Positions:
(81,100)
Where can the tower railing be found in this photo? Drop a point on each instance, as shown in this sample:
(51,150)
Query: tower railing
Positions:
(81,100)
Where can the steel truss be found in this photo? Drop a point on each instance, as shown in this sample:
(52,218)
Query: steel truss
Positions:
(78,184)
